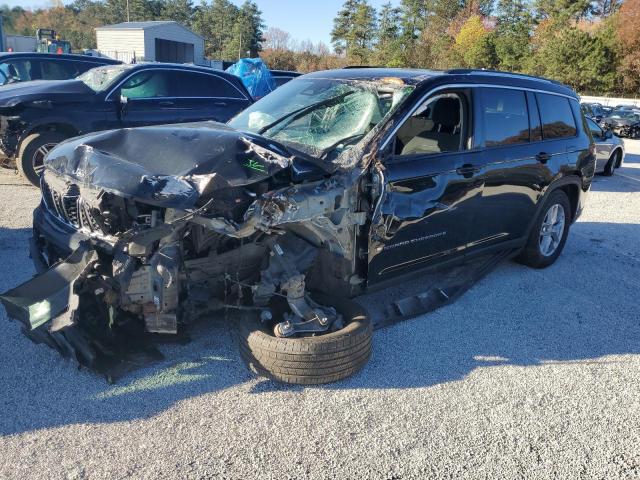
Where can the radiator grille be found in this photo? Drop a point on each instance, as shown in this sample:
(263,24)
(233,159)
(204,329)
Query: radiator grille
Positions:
(69,207)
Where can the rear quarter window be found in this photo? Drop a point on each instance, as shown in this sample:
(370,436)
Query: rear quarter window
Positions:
(194,84)
(58,69)
(557,118)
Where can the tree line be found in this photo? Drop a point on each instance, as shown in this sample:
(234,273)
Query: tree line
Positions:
(593,46)
(229,31)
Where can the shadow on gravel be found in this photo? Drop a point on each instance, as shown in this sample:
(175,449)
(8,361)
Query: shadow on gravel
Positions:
(620,183)
(516,316)
(616,184)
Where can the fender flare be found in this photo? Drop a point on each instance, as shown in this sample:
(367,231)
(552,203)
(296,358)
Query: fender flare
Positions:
(572,180)
(48,124)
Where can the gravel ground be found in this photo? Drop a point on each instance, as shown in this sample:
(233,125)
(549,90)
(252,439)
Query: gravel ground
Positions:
(531,374)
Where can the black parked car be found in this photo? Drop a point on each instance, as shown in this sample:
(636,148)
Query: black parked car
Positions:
(283,76)
(27,66)
(335,183)
(36,116)
(623,122)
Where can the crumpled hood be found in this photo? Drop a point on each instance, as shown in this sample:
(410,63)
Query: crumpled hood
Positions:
(622,122)
(169,165)
(53,90)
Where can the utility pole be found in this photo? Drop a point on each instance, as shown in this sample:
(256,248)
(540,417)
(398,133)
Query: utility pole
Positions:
(128,18)
(240,47)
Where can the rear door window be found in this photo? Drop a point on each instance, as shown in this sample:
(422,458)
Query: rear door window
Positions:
(58,70)
(147,84)
(194,84)
(557,117)
(505,117)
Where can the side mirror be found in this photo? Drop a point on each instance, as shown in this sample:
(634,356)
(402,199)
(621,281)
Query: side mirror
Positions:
(608,134)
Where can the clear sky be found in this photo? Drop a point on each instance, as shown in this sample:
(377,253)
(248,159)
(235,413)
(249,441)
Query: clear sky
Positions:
(303,19)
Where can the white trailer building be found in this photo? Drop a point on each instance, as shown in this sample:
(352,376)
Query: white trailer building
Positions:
(153,41)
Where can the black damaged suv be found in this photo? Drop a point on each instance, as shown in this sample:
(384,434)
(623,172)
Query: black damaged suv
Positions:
(337,182)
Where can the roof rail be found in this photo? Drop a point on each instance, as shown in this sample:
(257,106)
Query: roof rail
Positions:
(359,66)
(463,71)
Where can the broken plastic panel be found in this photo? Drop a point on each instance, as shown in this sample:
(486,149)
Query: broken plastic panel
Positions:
(47,295)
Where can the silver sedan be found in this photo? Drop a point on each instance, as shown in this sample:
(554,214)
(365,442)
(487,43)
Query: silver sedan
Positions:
(609,149)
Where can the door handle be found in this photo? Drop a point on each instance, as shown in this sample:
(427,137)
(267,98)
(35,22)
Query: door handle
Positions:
(220,104)
(166,103)
(543,157)
(467,170)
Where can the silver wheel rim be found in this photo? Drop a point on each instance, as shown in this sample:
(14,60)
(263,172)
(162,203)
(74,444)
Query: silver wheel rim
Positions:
(551,230)
(38,157)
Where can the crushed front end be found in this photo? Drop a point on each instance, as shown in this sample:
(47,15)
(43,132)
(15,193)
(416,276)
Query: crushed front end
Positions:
(126,254)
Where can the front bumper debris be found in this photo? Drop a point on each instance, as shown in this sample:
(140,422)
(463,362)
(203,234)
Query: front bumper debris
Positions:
(47,306)
(48,295)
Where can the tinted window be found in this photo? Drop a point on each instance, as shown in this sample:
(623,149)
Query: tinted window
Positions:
(557,117)
(505,117)
(281,80)
(147,84)
(596,131)
(435,127)
(19,71)
(193,84)
(58,70)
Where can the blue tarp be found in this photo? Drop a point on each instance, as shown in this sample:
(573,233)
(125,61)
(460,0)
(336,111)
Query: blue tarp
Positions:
(255,75)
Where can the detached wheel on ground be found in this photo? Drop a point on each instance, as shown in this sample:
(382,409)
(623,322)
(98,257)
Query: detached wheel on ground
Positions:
(32,152)
(549,233)
(308,360)
(612,164)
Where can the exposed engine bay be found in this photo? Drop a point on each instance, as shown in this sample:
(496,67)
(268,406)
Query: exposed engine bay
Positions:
(162,251)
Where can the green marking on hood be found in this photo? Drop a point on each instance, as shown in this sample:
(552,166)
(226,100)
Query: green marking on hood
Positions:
(254,165)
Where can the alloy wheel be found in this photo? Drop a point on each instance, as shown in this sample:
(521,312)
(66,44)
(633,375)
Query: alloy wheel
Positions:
(551,230)
(38,157)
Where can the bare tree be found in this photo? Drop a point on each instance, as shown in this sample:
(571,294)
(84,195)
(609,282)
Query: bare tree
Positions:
(276,39)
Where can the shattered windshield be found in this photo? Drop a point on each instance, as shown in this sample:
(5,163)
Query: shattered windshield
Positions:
(101,78)
(323,115)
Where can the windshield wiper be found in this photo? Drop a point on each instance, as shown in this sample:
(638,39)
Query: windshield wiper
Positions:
(304,110)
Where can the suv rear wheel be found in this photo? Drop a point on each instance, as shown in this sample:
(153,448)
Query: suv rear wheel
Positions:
(323,358)
(32,153)
(549,233)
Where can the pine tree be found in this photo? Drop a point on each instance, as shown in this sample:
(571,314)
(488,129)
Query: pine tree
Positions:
(354,30)
(512,37)
(180,11)
(388,47)
(215,22)
(342,26)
